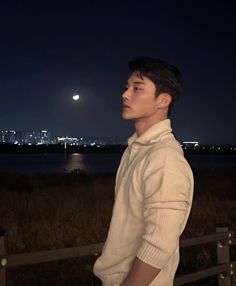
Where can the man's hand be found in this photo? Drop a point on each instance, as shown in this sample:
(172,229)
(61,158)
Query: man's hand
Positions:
(141,274)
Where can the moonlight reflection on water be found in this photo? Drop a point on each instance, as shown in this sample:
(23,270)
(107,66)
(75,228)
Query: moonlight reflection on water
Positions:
(75,161)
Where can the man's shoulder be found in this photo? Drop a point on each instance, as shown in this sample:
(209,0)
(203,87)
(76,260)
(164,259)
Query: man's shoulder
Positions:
(166,153)
(167,144)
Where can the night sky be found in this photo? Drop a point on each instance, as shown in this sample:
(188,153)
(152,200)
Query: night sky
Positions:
(51,50)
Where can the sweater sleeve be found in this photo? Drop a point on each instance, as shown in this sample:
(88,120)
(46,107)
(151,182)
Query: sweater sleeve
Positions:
(167,192)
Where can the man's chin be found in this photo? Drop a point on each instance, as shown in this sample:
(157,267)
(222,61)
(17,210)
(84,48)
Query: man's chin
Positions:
(126,117)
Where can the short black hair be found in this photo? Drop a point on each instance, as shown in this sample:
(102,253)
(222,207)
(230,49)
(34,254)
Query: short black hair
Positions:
(167,78)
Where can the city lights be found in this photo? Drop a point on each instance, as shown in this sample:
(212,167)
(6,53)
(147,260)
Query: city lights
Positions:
(45,137)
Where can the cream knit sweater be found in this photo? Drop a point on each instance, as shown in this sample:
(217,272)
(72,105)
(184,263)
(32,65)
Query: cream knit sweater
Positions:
(153,198)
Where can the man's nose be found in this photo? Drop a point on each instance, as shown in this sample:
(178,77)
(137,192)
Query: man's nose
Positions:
(126,94)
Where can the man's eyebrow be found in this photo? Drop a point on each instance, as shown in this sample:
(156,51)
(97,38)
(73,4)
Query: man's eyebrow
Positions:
(135,82)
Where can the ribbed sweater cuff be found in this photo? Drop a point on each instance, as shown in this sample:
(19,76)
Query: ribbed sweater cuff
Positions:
(153,256)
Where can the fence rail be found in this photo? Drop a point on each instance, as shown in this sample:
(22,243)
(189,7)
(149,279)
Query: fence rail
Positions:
(52,255)
(226,269)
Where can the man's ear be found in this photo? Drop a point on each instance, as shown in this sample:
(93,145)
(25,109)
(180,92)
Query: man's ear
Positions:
(164,100)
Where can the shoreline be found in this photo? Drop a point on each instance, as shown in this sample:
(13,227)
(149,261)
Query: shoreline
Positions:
(108,149)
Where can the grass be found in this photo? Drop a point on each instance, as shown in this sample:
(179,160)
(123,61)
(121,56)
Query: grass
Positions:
(41,212)
(49,212)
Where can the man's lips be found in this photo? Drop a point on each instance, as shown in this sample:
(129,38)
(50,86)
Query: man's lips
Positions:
(126,106)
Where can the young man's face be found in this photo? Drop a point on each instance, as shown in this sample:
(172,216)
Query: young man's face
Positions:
(139,100)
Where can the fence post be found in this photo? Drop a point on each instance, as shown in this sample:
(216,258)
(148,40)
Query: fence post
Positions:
(223,256)
(3,261)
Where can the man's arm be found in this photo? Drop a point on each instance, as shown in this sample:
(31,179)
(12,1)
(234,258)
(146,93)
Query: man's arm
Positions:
(141,274)
(167,201)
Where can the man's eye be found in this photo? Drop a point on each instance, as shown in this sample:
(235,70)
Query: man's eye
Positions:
(136,88)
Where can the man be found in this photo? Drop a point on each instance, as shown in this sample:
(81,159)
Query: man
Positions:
(154,185)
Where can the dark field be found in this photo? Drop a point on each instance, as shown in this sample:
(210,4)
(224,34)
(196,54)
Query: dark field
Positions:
(42,212)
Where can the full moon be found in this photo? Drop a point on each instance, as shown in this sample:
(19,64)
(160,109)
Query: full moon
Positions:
(76,97)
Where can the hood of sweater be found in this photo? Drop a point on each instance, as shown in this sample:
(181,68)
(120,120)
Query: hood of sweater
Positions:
(153,134)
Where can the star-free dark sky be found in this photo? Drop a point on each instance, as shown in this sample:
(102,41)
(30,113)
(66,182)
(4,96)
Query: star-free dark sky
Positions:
(50,50)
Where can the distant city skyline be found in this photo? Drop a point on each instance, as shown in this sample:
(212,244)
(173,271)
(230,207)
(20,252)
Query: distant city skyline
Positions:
(39,137)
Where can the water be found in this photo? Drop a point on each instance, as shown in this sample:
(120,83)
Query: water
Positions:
(96,163)
(212,162)
(59,163)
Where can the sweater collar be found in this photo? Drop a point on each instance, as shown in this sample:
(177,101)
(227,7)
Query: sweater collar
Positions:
(153,134)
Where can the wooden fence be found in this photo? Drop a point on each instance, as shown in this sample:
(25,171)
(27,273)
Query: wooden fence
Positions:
(225,269)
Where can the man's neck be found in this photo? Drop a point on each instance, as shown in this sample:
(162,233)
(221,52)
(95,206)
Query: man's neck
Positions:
(142,126)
